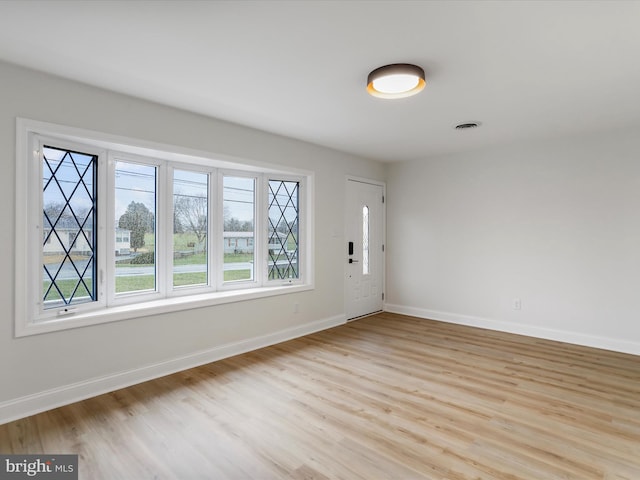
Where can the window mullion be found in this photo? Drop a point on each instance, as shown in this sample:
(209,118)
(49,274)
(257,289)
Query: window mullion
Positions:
(109,207)
(259,229)
(164,229)
(168,256)
(213,229)
(105,254)
(218,273)
(264,227)
(35,230)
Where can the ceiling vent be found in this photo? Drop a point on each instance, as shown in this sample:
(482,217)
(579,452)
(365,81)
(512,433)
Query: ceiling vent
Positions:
(464,126)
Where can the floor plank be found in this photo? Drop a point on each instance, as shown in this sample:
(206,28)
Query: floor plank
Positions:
(384,397)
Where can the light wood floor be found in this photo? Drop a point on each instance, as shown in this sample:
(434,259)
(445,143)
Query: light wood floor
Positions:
(385,397)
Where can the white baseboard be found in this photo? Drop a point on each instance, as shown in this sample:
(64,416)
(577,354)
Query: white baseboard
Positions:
(605,343)
(64,395)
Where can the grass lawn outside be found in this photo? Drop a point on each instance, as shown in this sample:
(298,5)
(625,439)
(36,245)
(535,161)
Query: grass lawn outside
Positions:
(139,283)
(146,282)
(66,287)
(196,259)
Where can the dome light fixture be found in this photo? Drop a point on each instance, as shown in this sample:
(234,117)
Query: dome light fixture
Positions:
(397,80)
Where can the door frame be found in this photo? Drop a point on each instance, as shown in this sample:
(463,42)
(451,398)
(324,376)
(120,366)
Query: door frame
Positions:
(345,258)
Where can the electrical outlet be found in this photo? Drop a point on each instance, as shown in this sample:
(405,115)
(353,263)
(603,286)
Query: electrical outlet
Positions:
(516,304)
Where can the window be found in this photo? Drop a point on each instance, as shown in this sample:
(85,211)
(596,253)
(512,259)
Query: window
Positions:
(68,198)
(135,213)
(190,228)
(108,224)
(239,199)
(283,229)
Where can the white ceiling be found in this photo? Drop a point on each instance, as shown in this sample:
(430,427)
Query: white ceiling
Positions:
(298,68)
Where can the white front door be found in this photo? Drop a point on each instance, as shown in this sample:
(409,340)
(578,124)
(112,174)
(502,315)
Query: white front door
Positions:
(364,248)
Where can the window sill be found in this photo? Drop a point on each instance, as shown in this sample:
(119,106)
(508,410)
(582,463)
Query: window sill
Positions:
(144,309)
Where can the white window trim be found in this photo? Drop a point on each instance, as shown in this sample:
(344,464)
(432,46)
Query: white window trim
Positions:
(25,323)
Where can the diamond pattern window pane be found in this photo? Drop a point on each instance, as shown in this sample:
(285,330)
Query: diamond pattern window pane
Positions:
(284,240)
(69,227)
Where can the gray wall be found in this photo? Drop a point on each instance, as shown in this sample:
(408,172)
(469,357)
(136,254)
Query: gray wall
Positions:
(35,364)
(553,223)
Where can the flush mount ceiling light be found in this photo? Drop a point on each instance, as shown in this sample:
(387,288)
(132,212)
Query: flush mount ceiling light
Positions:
(398,80)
